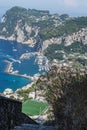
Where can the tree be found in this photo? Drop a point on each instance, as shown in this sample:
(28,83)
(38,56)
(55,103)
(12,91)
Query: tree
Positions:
(66,90)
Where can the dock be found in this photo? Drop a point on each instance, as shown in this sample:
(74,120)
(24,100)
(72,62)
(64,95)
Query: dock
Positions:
(8,67)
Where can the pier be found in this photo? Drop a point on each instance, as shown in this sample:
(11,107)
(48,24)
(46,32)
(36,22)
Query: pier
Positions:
(8,68)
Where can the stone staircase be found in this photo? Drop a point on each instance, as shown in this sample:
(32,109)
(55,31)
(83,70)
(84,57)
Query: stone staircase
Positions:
(33,127)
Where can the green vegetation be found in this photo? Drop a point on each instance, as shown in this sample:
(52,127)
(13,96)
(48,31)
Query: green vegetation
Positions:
(82,61)
(38,13)
(50,25)
(12,16)
(67,27)
(66,90)
(25,93)
(32,107)
(53,52)
(64,17)
(19,15)
(56,51)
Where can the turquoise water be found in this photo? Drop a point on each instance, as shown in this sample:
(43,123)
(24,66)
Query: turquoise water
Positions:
(26,67)
(11,81)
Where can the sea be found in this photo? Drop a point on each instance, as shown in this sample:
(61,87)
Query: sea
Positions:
(12,51)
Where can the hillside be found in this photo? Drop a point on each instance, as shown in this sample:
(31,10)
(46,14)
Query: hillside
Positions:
(24,25)
(40,28)
(51,38)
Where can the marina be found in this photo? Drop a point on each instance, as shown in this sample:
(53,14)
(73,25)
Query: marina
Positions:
(23,66)
(9,71)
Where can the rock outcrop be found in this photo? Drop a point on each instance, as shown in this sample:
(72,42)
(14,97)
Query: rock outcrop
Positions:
(11,114)
(80,36)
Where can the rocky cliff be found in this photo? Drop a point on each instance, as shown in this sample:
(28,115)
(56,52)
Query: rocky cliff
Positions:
(79,36)
(15,26)
(30,26)
(25,26)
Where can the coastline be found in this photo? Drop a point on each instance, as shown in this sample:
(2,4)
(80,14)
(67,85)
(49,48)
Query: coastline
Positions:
(8,71)
(29,42)
(8,67)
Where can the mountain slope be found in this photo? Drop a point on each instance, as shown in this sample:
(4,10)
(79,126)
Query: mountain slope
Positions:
(24,25)
(30,26)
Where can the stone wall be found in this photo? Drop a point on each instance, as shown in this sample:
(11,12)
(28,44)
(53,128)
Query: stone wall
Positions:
(34,127)
(11,115)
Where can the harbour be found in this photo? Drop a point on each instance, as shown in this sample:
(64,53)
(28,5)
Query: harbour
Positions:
(8,68)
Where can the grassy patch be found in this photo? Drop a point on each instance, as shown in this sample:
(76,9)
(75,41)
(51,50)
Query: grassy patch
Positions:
(32,107)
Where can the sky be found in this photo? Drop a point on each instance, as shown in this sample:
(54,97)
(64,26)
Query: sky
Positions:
(71,7)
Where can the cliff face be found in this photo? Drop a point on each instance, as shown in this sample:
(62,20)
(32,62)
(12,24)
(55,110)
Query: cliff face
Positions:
(25,25)
(23,33)
(79,36)
(36,27)
(16,25)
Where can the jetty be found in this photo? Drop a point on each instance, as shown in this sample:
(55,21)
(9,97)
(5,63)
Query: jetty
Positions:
(8,68)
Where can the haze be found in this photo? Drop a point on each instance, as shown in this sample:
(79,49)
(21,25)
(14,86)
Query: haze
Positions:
(71,7)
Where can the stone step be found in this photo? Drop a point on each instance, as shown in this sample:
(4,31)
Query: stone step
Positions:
(33,127)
